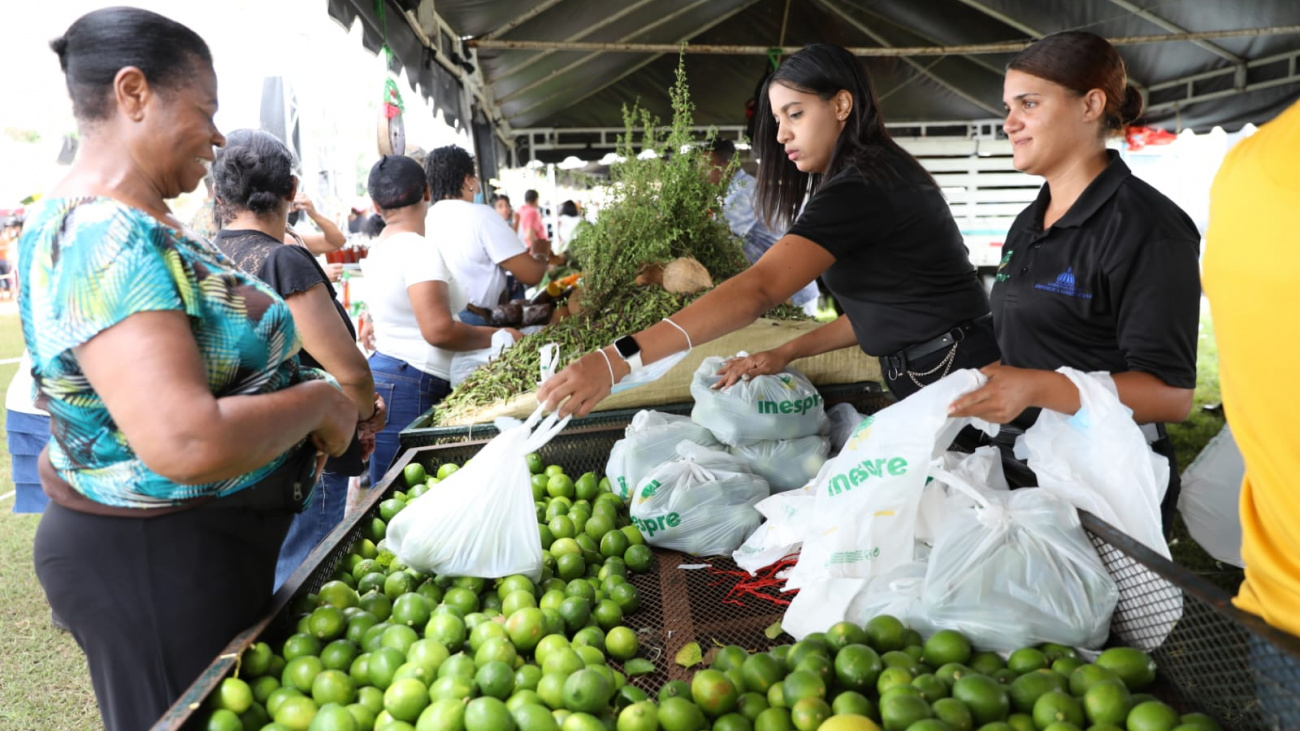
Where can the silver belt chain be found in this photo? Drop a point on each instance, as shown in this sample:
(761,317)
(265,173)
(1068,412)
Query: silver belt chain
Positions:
(945,364)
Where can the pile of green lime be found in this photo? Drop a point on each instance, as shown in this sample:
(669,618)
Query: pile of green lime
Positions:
(383,646)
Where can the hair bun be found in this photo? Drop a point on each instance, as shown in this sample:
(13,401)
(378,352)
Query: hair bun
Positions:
(1131,108)
(60,47)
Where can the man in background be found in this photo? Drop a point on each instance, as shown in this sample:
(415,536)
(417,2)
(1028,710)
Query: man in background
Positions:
(742,218)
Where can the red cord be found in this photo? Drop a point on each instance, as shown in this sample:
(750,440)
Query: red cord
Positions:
(755,586)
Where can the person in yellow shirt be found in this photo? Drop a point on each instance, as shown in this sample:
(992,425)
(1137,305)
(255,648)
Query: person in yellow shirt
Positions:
(1252,277)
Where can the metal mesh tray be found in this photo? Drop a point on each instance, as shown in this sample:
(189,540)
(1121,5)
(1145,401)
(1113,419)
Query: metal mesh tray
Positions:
(1211,656)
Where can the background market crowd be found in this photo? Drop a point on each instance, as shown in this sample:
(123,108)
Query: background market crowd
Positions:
(271,408)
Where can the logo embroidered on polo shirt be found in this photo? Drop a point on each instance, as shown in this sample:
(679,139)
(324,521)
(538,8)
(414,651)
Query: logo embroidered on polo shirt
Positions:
(1003,276)
(1065,285)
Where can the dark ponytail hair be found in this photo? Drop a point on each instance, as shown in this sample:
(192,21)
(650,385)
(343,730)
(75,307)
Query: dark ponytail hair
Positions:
(102,42)
(824,70)
(253,172)
(396,181)
(1082,61)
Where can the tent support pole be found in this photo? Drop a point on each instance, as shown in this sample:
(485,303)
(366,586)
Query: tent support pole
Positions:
(900,51)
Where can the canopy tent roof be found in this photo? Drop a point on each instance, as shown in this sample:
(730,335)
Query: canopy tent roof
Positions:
(1245,72)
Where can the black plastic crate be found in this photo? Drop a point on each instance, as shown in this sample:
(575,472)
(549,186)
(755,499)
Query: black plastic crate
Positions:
(1211,656)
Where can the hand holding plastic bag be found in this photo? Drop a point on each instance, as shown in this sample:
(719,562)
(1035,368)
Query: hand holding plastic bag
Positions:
(1098,460)
(649,441)
(481,520)
(701,503)
(780,406)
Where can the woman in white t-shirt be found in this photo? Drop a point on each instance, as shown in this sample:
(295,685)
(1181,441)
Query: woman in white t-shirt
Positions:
(478,246)
(413,297)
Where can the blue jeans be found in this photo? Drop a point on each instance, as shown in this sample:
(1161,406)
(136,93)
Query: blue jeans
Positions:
(409,393)
(322,514)
(470,318)
(27,435)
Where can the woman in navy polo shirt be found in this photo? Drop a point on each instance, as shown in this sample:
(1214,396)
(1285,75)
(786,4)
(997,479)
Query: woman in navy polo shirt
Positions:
(1100,273)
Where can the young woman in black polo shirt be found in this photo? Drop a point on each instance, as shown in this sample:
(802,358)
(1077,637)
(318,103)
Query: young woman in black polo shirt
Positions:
(1100,273)
(876,228)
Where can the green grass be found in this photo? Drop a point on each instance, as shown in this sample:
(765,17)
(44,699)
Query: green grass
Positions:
(44,683)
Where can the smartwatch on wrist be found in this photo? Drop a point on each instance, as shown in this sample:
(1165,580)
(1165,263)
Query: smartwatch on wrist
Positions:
(629,351)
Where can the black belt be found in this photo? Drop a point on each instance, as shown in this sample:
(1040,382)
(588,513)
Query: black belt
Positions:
(899,360)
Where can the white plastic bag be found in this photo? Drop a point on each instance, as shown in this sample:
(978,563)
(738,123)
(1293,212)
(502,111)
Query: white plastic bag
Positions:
(701,503)
(781,532)
(1014,569)
(786,464)
(649,441)
(781,406)
(842,420)
(1098,460)
(868,496)
(481,520)
(465,363)
(1210,501)
(983,468)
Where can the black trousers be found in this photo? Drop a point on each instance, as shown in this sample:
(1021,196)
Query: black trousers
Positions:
(152,601)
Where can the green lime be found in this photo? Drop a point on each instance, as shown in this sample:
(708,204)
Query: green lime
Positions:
(809,713)
(714,692)
(496,679)
(1134,667)
(986,663)
(608,614)
(1057,707)
(233,695)
(1026,689)
(1108,701)
(488,714)
(626,597)
(411,610)
(621,643)
(898,711)
(751,704)
(760,671)
(223,719)
(1152,716)
(954,713)
(383,665)
(946,646)
(852,703)
(587,691)
(679,714)
(560,486)
(987,701)
(893,677)
(931,688)
(333,686)
(642,716)
(674,689)
(447,629)
(802,684)
(300,645)
(885,633)
(497,648)
(414,474)
(446,470)
(773,719)
(452,688)
(296,713)
(857,667)
(300,672)
(1086,676)
(1027,660)
(399,637)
